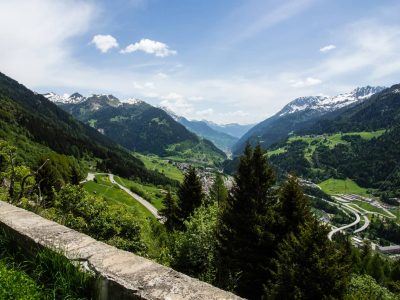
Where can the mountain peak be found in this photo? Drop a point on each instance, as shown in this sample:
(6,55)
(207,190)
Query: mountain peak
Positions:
(329,103)
(67,99)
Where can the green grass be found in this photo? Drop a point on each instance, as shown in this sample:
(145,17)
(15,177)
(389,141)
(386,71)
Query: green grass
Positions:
(150,227)
(329,140)
(16,284)
(369,207)
(151,193)
(115,196)
(153,162)
(43,274)
(339,186)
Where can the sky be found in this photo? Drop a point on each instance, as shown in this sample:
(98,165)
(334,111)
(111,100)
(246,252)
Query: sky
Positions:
(221,60)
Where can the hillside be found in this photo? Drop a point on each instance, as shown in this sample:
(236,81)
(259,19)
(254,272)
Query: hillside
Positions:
(138,126)
(360,142)
(299,114)
(222,140)
(233,129)
(37,126)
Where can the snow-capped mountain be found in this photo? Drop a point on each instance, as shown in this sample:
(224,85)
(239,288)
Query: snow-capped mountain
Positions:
(96,99)
(330,103)
(67,99)
(132,101)
(299,113)
(172,114)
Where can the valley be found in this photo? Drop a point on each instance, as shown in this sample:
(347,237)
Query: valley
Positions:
(127,167)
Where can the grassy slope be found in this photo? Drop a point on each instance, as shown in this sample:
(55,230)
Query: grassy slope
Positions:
(151,193)
(153,162)
(116,197)
(16,284)
(340,186)
(330,140)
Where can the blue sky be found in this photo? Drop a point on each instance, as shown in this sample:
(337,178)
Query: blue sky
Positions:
(221,60)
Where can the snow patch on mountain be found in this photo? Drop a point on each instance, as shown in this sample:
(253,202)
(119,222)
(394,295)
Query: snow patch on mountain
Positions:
(77,98)
(330,103)
(132,101)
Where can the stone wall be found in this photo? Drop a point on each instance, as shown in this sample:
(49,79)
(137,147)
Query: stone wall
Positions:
(122,275)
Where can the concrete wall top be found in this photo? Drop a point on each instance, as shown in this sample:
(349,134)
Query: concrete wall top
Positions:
(123,275)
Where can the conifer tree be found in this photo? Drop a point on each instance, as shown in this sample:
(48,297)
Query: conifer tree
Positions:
(170,212)
(245,237)
(294,206)
(309,266)
(218,192)
(190,194)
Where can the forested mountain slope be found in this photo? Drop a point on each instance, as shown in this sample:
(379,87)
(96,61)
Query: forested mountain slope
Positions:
(31,119)
(222,140)
(361,142)
(299,114)
(138,126)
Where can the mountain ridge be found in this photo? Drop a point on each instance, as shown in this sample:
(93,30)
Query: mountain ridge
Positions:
(138,126)
(299,114)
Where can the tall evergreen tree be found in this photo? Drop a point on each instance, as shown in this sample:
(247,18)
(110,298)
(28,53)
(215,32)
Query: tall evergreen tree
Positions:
(190,194)
(309,266)
(170,212)
(218,191)
(294,206)
(245,238)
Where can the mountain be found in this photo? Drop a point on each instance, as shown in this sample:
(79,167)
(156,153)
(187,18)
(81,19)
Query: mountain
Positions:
(233,129)
(360,141)
(37,126)
(202,128)
(138,126)
(299,114)
(74,98)
(222,140)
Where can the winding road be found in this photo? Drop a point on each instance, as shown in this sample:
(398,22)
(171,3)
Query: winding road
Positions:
(358,219)
(150,207)
(139,199)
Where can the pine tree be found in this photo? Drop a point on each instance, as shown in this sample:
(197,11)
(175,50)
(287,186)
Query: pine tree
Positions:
(245,238)
(309,266)
(218,191)
(170,212)
(190,194)
(294,207)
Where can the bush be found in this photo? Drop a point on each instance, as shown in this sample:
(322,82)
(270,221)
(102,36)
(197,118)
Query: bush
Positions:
(365,287)
(89,214)
(193,251)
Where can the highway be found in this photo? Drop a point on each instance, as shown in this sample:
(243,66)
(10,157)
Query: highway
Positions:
(358,219)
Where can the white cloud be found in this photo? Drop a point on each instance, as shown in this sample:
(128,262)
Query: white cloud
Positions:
(149,46)
(370,51)
(34,37)
(327,48)
(309,81)
(196,98)
(205,113)
(253,17)
(161,75)
(104,42)
(177,103)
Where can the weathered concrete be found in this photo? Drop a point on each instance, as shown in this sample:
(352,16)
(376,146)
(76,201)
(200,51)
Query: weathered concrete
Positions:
(122,275)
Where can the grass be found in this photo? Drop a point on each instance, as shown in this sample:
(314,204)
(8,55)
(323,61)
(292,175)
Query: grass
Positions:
(329,140)
(369,207)
(115,196)
(151,229)
(16,284)
(151,193)
(333,186)
(43,274)
(153,162)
